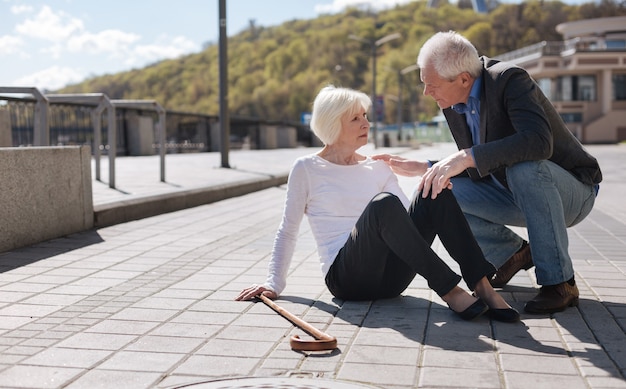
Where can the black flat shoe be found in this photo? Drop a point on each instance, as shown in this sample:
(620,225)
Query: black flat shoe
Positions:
(507,315)
(474,310)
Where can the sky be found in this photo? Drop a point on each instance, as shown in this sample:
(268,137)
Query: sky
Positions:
(52,43)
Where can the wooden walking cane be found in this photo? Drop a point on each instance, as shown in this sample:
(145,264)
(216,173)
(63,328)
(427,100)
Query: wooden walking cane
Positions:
(322,340)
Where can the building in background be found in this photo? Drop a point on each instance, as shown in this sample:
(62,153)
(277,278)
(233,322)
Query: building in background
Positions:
(584,76)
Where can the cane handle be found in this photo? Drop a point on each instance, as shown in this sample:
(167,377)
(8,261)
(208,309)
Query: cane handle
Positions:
(322,340)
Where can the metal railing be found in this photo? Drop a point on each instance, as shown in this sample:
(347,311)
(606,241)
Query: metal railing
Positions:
(561,48)
(77,119)
(543,48)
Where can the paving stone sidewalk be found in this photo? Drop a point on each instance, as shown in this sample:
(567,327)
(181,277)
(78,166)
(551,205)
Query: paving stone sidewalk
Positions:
(149,304)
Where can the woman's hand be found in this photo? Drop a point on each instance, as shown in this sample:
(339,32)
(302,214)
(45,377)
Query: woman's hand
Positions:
(255,290)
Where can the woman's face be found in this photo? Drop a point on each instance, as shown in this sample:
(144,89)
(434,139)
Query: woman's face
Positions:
(354,129)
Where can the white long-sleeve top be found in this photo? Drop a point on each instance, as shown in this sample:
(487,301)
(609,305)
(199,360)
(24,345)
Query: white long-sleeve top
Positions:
(333,197)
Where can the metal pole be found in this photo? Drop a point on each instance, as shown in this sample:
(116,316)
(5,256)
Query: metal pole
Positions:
(373,45)
(112,138)
(223,65)
(400,106)
(374,105)
(162,129)
(404,71)
(41,133)
(96,118)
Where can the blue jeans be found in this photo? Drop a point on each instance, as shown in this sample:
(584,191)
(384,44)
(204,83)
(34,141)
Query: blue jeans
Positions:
(544,198)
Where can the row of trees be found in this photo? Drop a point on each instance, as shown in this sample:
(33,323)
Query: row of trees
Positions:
(275,72)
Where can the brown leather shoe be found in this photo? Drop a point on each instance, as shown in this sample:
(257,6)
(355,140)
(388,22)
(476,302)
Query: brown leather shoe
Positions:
(554,298)
(520,260)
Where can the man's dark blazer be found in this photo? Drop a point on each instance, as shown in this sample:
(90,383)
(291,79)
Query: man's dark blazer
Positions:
(518,123)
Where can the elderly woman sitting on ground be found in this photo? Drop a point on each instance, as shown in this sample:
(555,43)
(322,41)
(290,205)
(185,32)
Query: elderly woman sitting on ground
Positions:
(369,245)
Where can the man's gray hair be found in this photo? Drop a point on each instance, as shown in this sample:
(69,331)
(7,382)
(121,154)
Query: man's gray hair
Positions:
(450,54)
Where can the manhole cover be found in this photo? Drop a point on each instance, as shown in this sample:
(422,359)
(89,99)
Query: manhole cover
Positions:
(275,383)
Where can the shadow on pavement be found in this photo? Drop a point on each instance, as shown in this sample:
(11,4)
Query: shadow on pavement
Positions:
(24,256)
(423,322)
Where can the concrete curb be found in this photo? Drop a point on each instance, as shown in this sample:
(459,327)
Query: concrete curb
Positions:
(145,206)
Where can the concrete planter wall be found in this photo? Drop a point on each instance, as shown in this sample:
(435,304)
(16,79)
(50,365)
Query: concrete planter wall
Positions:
(45,194)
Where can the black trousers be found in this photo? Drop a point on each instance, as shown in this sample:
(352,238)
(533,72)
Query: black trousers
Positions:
(388,246)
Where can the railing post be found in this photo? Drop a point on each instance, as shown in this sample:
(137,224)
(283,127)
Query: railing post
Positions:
(41,127)
(96,117)
(41,136)
(161,134)
(112,138)
(152,106)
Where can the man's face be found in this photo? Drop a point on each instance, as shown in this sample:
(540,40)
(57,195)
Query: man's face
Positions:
(446,93)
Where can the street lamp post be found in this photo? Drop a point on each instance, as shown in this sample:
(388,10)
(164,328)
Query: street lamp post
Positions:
(223,69)
(401,73)
(374,43)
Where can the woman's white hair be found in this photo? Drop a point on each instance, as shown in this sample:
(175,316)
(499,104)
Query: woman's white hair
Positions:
(330,105)
(450,54)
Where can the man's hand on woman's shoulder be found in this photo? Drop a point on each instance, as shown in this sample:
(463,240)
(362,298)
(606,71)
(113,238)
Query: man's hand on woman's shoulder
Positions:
(402,166)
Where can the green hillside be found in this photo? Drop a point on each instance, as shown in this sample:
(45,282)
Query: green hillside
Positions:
(275,72)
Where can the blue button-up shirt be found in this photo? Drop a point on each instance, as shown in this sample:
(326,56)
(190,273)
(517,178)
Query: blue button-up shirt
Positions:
(472,110)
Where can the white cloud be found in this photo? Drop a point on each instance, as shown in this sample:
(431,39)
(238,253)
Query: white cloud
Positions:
(10,44)
(50,26)
(52,78)
(68,34)
(122,45)
(20,9)
(164,47)
(340,5)
(107,41)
